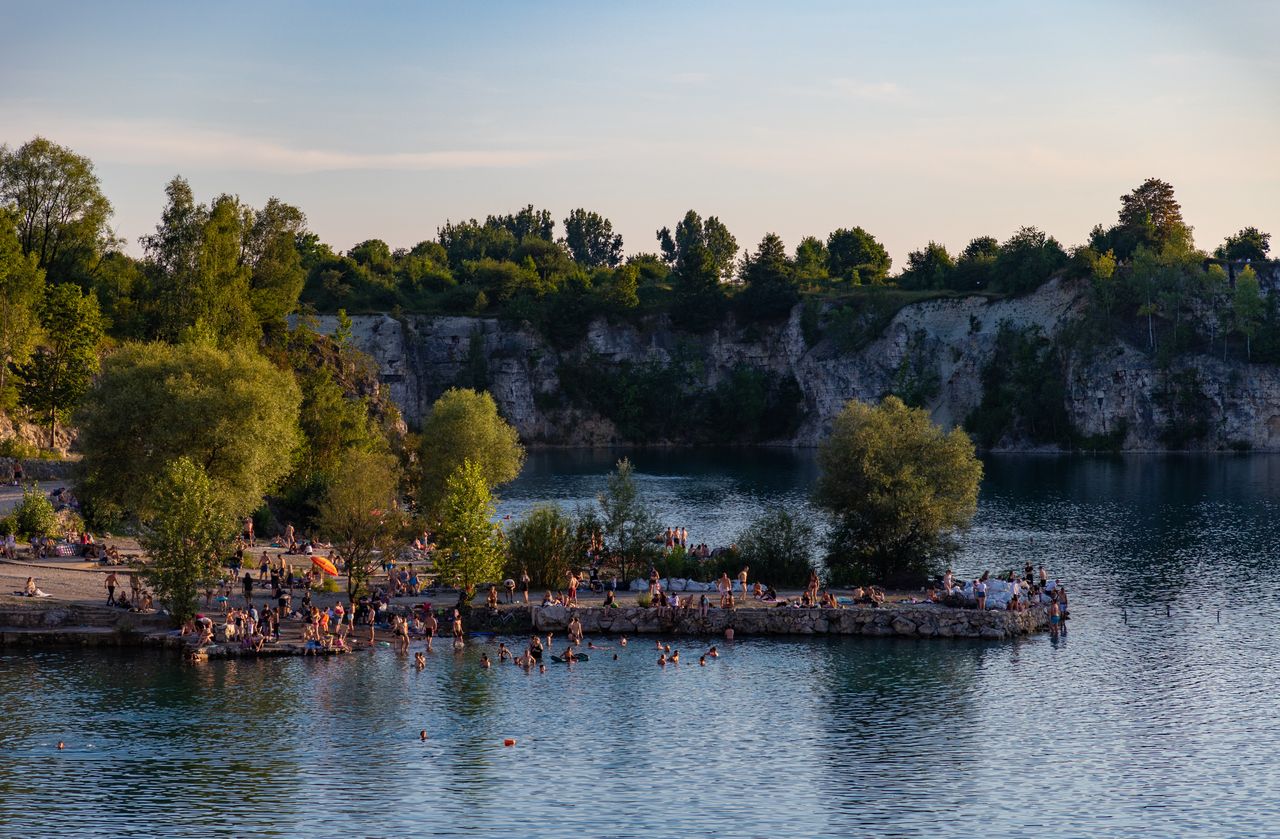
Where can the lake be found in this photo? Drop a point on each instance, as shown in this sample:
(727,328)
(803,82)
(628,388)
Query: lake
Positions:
(1148,717)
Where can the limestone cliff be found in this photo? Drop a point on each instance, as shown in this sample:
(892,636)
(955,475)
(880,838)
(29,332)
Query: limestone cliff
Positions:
(953,339)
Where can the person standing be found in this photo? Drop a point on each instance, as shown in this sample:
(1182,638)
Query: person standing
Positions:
(110,582)
(248,588)
(248,532)
(524,584)
(742,580)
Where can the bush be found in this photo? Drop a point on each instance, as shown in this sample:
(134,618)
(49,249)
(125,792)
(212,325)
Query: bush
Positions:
(644,600)
(34,515)
(544,543)
(779,549)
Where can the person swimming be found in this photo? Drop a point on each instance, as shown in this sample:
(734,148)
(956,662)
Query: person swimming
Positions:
(422,735)
(675,657)
(623,641)
(485,662)
(702,662)
(419,660)
(662,660)
(713,652)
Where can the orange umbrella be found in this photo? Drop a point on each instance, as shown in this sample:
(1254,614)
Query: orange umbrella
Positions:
(325,565)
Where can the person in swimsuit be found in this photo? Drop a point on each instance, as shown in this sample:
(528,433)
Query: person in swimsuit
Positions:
(429,624)
(524,584)
(1055,618)
(457,626)
(535,649)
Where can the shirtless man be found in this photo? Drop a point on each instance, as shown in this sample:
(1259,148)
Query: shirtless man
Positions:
(429,626)
(111,582)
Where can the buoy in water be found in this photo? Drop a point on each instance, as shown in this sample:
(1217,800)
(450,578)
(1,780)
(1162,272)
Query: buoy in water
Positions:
(508,742)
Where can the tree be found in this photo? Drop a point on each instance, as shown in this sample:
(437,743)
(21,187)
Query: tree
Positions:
(59,373)
(544,543)
(811,262)
(62,213)
(770,279)
(465,425)
(21,289)
(470,240)
(230,411)
(856,256)
(1026,260)
(900,489)
(525,223)
(779,548)
(470,546)
(185,535)
(700,255)
(276,274)
(1247,307)
(928,268)
(1152,213)
(590,238)
(1250,244)
(975,267)
(360,515)
(630,525)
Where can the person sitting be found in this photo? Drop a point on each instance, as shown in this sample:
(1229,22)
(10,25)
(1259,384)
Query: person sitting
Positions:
(31,589)
(757,591)
(770,595)
(610,602)
(492,599)
(546,599)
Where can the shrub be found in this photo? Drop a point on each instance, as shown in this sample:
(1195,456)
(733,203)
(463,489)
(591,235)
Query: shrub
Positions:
(644,600)
(34,515)
(778,547)
(544,543)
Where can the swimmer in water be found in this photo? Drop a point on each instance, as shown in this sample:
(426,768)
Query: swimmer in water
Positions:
(702,662)
(484,661)
(503,652)
(423,735)
(615,656)
(662,660)
(61,745)
(542,668)
(675,657)
(657,645)
(623,642)
(419,660)
(713,652)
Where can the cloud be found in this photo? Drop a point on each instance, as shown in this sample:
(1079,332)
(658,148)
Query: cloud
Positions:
(141,141)
(870,91)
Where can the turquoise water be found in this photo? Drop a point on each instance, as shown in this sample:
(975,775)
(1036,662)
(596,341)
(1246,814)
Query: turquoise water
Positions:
(1152,716)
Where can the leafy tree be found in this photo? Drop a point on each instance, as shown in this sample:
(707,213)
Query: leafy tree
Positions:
(34,515)
(465,426)
(856,256)
(360,515)
(185,534)
(59,373)
(975,267)
(1247,307)
(544,542)
(470,546)
(629,524)
(230,411)
(62,213)
(470,240)
(276,275)
(700,255)
(811,262)
(1152,213)
(928,268)
(590,238)
(770,279)
(621,288)
(21,289)
(779,548)
(525,223)
(900,489)
(1249,244)
(1026,260)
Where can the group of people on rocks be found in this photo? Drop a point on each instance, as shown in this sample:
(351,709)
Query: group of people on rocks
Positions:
(1009,591)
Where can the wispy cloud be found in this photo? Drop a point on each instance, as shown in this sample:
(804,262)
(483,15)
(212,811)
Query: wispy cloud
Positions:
(149,141)
(870,91)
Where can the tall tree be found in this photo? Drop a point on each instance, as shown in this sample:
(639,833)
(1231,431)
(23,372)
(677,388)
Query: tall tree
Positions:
(63,214)
(470,544)
(185,535)
(361,516)
(928,268)
(465,426)
(271,250)
(855,255)
(524,223)
(1153,213)
(1026,260)
(590,238)
(811,261)
(21,289)
(1249,244)
(630,525)
(701,255)
(59,373)
(1248,307)
(231,411)
(769,276)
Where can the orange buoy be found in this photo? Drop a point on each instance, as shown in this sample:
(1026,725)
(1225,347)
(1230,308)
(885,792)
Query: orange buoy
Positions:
(508,742)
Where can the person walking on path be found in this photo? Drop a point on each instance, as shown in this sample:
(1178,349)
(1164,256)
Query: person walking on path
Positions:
(110,582)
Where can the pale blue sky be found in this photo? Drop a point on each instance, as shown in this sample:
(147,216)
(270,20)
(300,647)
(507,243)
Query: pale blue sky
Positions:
(917,121)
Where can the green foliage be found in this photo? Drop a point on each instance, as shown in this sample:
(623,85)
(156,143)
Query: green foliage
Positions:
(1186,408)
(590,239)
(21,289)
(917,380)
(34,514)
(58,375)
(230,411)
(778,546)
(544,543)
(900,490)
(471,547)
(186,531)
(855,255)
(360,515)
(1249,244)
(928,268)
(1026,260)
(465,426)
(700,255)
(629,524)
(1023,393)
(1247,307)
(770,281)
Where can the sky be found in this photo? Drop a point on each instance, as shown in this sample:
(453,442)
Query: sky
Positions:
(917,121)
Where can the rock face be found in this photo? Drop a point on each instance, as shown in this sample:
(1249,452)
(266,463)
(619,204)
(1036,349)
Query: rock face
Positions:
(1116,387)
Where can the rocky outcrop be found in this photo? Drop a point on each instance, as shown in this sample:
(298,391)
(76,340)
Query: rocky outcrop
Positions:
(907,620)
(1114,392)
